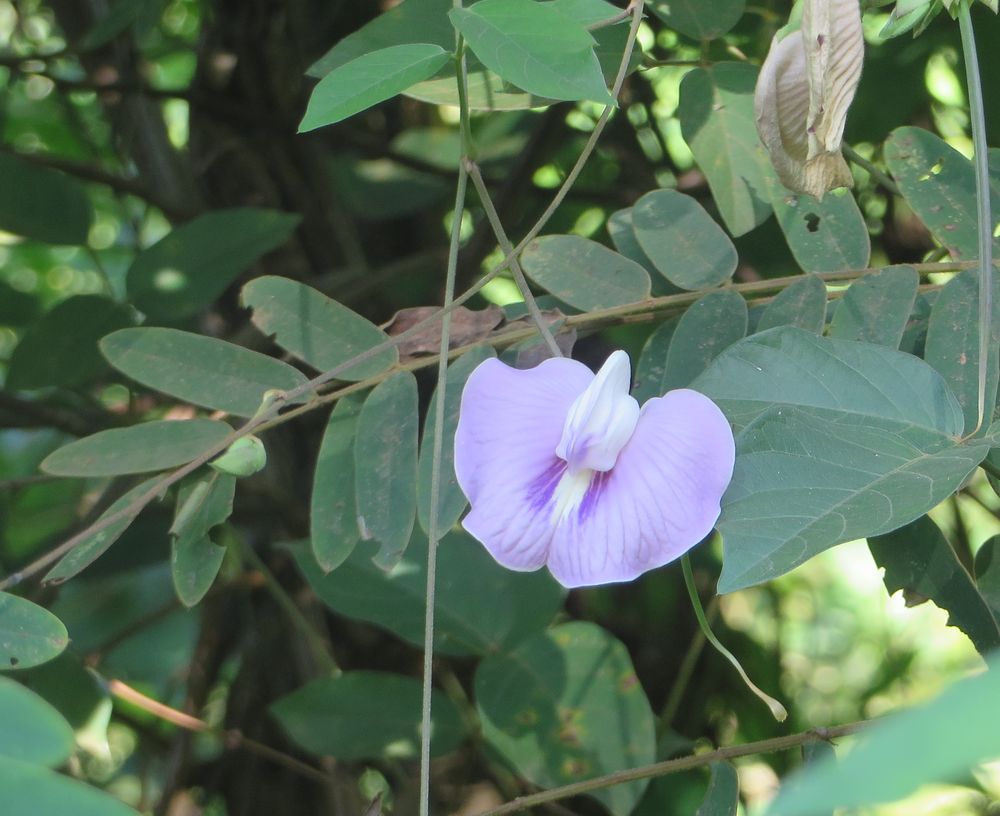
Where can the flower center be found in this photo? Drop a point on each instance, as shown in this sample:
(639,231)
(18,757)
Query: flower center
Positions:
(600,422)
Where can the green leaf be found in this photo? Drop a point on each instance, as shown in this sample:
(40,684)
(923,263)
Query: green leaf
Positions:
(699,19)
(889,762)
(987,568)
(467,574)
(367,715)
(17,308)
(952,345)
(584,273)
(825,236)
(809,479)
(385,466)
(788,366)
(333,508)
(652,365)
(619,226)
(451,499)
(245,457)
(723,795)
(157,445)
(61,348)
(877,307)
(565,706)
(315,328)
(709,326)
(94,546)
(29,634)
(802,305)
(687,247)
(919,561)
(717,120)
(368,80)
(198,369)
(412,21)
(194,263)
(535,46)
(939,183)
(30,790)
(42,204)
(203,502)
(121,16)
(33,731)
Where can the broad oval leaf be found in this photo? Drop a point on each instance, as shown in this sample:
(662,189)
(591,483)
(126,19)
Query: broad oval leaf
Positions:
(61,348)
(333,509)
(939,183)
(952,344)
(718,123)
(203,502)
(687,247)
(42,204)
(156,445)
(987,567)
(963,725)
(827,235)
(802,305)
(315,328)
(652,365)
(566,705)
(385,466)
(33,731)
(535,46)
(451,499)
(918,560)
(27,789)
(699,19)
(877,307)
(723,795)
(466,574)
(789,366)
(367,715)
(198,369)
(194,263)
(29,634)
(584,273)
(369,79)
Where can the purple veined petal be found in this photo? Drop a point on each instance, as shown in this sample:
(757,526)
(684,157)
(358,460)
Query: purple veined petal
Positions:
(509,424)
(661,498)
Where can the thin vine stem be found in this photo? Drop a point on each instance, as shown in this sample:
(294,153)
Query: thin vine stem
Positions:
(433,533)
(672,766)
(981,161)
(778,711)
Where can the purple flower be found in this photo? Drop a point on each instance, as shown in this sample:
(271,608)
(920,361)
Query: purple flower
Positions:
(562,468)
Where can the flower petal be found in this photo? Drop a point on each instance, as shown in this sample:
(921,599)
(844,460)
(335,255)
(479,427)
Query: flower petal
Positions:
(661,498)
(509,425)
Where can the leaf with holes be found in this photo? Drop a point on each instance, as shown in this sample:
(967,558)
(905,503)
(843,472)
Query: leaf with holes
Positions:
(199,369)
(825,236)
(29,634)
(584,273)
(687,247)
(565,706)
(877,307)
(802,305)
(717,120)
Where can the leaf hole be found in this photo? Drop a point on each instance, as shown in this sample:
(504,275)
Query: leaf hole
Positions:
(936,168)
(812,221)
(14,661)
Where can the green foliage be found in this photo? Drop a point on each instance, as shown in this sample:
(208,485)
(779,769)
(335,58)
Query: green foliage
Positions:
(365,714)
(802,305)
(699,19)
(876,308)
(27,789)
(33,731)
(42,204)
(566,705)
(29,634)
(203,502)
(824,236)
(723,796)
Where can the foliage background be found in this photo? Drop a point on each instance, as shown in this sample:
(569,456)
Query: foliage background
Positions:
(158,113)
